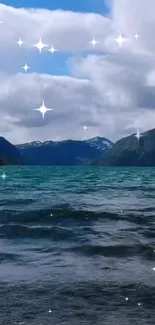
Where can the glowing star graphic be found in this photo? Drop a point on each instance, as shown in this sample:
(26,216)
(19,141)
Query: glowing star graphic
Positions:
(52,49)
(25,67)
(120,40)
(43,109)
(138,135)
(93,42)
(40,45)
(85,127)
(139,304)
(20,42)
(3,176)
(126,298)
(50,311)
(136,36)
(153,269)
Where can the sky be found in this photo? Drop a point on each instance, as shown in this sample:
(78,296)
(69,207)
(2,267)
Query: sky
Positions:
(108,88)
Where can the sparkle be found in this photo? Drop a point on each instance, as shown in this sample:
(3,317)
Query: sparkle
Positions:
(138,135)
(25,67)
(153,269)
(3,176)
(93,42)
(126,298)
(50,311)
(20,42)
(136,36)
(85,127)
(40,45)
(43,109)
(139,304)
(120,40)
(52,49)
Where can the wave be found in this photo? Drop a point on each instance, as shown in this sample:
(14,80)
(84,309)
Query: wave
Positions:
(78,241)
(102,188)
(64,213)
(115,250)
(7,257)
(25,231)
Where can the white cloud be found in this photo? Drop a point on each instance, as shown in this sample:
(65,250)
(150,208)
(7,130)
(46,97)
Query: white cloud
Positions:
(67,30)
(111,92)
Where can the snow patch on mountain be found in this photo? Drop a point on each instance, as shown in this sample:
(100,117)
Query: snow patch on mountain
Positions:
(100,143)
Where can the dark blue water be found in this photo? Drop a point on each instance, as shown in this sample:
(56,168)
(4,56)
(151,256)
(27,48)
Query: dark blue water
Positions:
(77,246)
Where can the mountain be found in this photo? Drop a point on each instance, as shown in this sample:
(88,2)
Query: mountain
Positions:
(130,151)
(9,154)
(64,153)
(99,143)
(2,163)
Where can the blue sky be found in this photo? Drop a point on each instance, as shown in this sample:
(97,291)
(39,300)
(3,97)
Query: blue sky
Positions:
(97,6)
(56,64)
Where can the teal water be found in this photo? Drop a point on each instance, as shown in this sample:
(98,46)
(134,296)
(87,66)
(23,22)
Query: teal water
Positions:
(78,241)
(81,187)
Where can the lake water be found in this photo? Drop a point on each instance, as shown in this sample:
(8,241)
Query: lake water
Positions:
(77,246)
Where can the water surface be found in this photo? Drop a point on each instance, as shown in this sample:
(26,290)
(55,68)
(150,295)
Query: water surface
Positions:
(78,242)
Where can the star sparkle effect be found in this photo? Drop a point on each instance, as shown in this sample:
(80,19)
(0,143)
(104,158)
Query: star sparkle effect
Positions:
(43,109)
(52,49)
(94,42)
(3,176)
(136,36)
(20,42)
(85,127)
(25,67)
(138,135)
(40,45)
(120,40)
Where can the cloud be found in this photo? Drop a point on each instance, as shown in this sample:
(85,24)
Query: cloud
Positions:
(111,91)
(67,30)
(68,96)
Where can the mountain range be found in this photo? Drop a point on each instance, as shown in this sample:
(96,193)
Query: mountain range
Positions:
(130,151)
(65,153)
(98,151)
(9,154)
